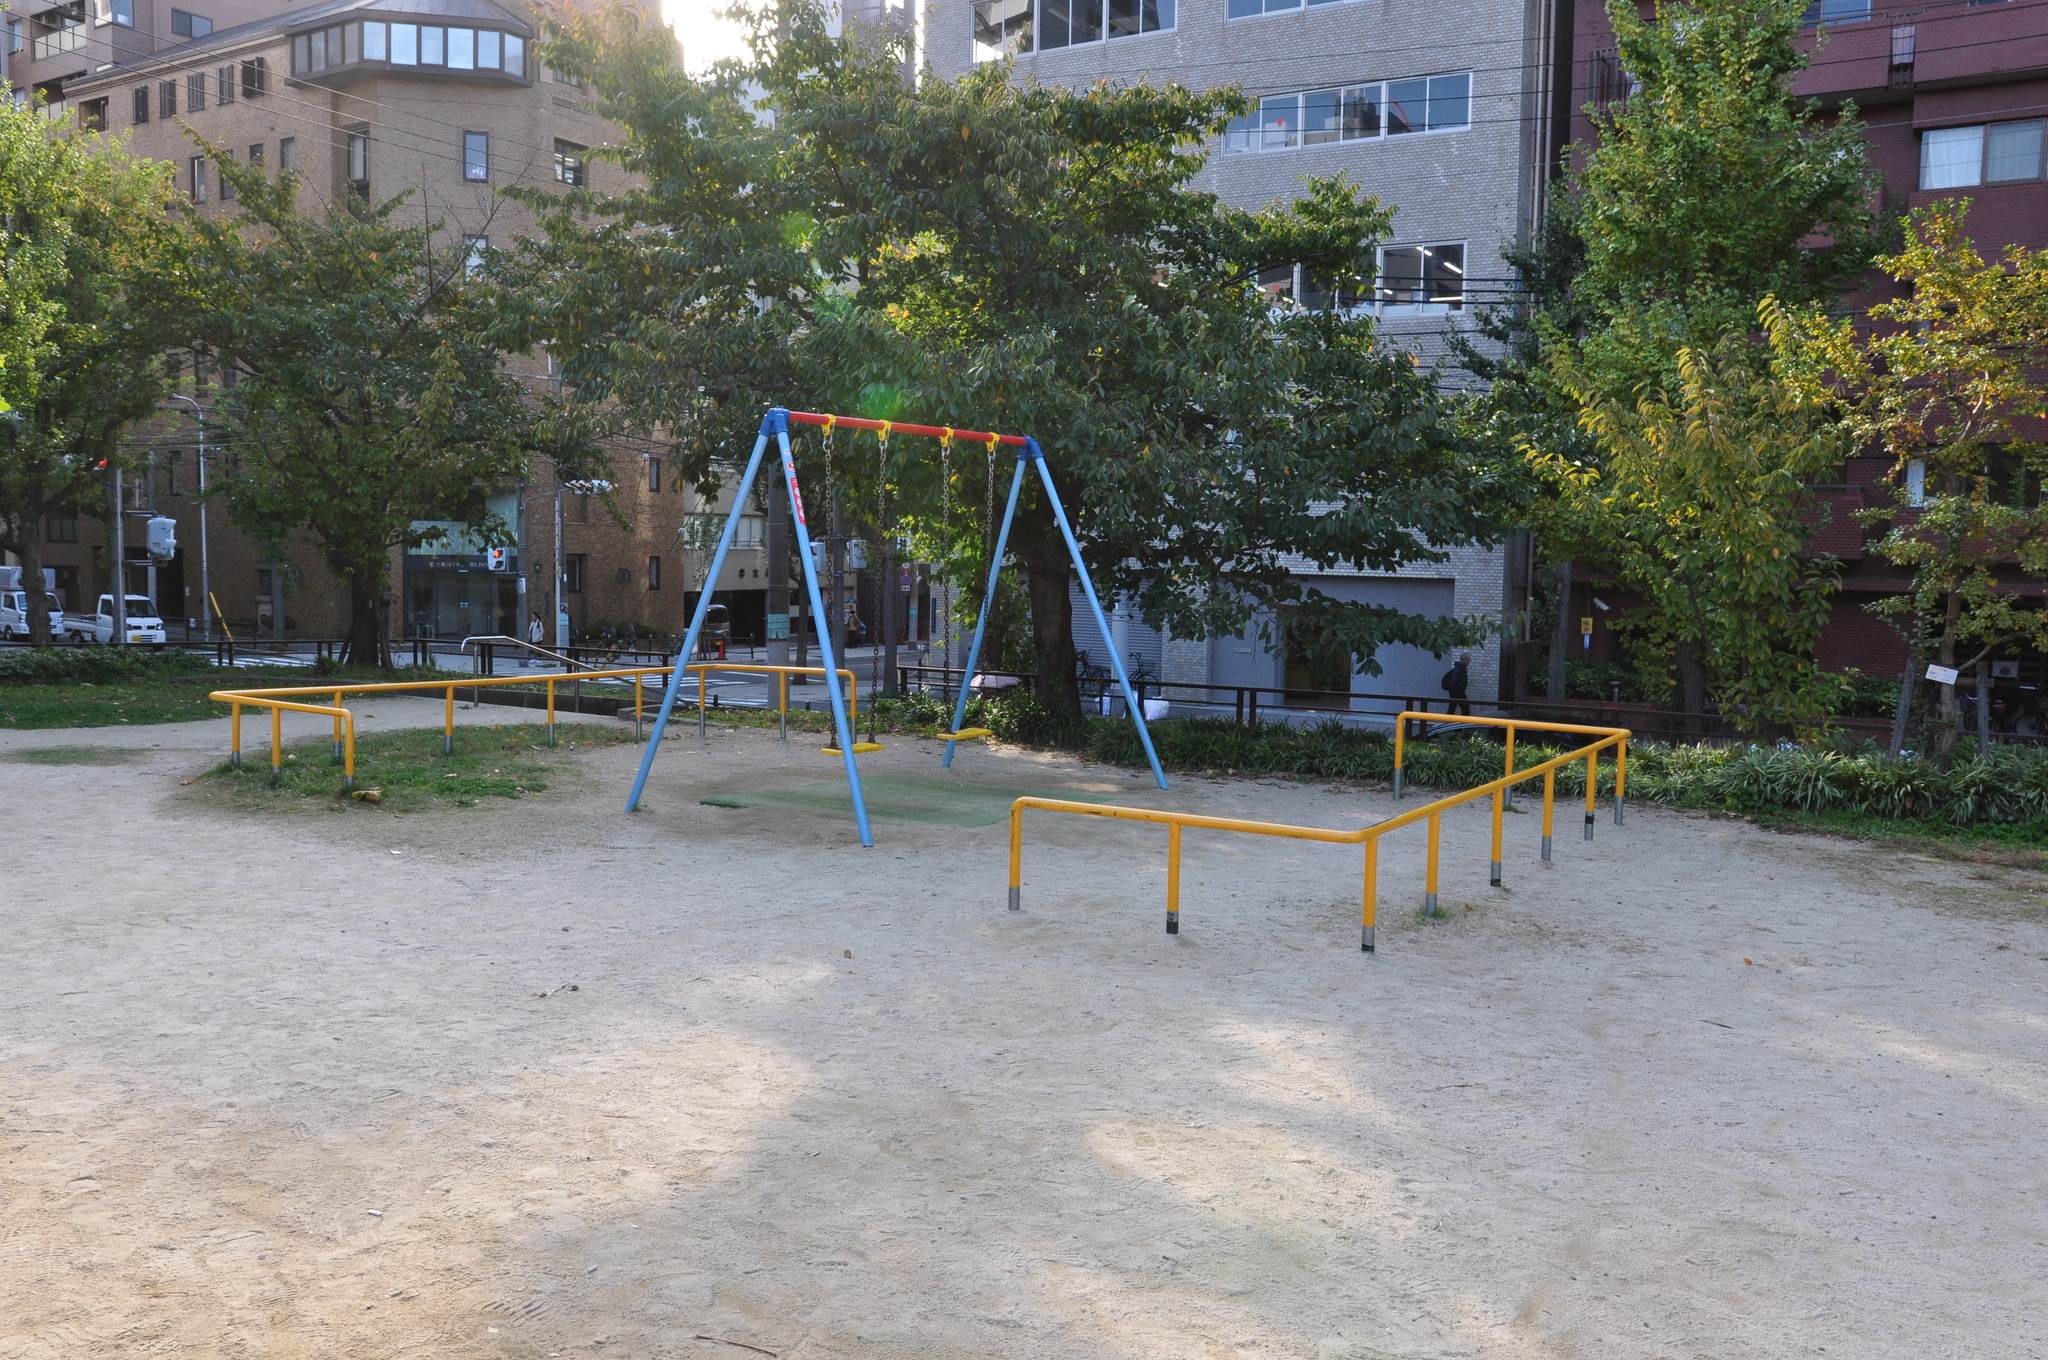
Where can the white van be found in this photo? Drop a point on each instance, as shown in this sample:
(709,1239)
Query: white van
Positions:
(14,615)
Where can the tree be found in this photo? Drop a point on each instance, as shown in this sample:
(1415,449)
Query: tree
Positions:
(1946,380)
(366,399)
(89,301)
(1703,495)
(979,252)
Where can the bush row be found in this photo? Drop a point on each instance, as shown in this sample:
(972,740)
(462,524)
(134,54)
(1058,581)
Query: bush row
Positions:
(92,665)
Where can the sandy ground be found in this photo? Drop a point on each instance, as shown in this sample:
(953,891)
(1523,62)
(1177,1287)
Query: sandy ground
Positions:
(286,1083)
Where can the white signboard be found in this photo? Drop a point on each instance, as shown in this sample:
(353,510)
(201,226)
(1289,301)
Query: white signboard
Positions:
(1942,675)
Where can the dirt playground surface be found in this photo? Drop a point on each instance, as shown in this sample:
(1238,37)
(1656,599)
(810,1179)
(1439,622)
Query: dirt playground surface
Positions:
(538,1078)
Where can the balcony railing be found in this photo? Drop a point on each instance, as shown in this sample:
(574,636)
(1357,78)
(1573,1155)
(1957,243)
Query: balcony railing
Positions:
(70,38)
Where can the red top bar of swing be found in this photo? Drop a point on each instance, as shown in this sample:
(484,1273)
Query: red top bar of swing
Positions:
(935,431)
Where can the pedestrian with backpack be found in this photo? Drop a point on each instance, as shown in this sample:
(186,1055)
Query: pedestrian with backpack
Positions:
(1455,682)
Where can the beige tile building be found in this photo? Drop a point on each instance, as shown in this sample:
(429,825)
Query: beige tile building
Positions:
(445,100)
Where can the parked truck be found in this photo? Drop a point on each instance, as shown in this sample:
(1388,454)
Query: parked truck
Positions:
(144,626)
(14,615)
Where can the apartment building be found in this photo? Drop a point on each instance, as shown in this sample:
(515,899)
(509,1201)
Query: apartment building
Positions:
(1446,112)
(1954,96)
(446,100)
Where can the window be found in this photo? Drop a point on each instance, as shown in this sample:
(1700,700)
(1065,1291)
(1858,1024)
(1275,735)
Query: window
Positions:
(1357,112)
(224,83)
(560,78)
(475,249)
(15,40)
(121,12)
(405,44)
(1998,153)
(433,46)
(572,574)
(141,110)
(489,49)
(167,464)
(654,474)
(1836,12)
(255,78)
(227,187)
(1421,280)
(1068,23)
(185,25)
(462,49)
(92,115)
(654,573)
(1245,9)
(1002,28)
(351,43)
(256,153)
(2012,151)
(359,163)
(60,530)
(288,153)
(167,99)
(515,55)
(197,184)
(476,156)
(195,92)
(569,167)
(376,42)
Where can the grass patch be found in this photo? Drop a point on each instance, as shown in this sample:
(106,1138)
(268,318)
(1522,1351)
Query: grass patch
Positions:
(136,703)
(72,755)
(409,771)
(2021,845)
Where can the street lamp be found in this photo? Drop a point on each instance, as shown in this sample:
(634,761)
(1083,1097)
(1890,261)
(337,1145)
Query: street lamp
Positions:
(205,567)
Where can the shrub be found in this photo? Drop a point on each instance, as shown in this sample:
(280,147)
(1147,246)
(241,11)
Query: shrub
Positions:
(93,665)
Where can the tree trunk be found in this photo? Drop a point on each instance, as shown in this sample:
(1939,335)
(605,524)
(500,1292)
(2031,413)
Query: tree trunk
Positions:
(1560,629)
(1047,571)
(30,550)
(1949,724)
(1692,677)
(1983,707)
(365,633)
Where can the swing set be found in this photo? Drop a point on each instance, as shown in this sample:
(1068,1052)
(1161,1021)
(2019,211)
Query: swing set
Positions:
(775,425)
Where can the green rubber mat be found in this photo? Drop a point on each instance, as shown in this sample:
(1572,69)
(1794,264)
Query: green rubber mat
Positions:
(899,797)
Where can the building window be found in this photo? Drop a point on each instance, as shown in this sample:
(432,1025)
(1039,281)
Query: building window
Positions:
(1006,28)
(376,42)
(288,153)
(255,78)
(1836,12)
(121,12)
(15,41)
(197,184)
(654,573)
(185,25)
(559,78)
(1245,9)
(572,574)
(462,49)
(654,474)
(475,249)
(141,110)
(569,166)
(167,464)
(405,44)
(57,530)
(1996,153)
(195,92)
(224,83)
(256,154)
(1421,280)
(476,156)
(167,99)
(1354,113)
(92,115)
(227,186)
(1002,28)
(433,45)
(359,164)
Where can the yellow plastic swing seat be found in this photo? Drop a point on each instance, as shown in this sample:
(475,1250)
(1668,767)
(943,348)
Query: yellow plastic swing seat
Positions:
(860,748)
(966,734)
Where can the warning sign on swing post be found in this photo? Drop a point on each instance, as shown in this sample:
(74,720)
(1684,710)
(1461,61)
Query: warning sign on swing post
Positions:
(1943,675)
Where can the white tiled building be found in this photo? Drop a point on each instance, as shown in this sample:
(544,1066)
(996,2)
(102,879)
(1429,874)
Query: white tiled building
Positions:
(1441,110)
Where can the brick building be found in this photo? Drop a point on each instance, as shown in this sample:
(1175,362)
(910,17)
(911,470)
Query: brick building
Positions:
(1954,96)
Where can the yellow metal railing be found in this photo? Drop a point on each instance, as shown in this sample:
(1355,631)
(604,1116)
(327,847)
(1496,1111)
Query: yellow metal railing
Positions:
(282,700)
(702,668)
(1369,836)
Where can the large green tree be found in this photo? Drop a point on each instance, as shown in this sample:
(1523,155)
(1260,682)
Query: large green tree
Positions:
(92,294)
(366,398)
(806,229)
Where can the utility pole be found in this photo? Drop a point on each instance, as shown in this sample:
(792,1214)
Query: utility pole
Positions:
(117,559)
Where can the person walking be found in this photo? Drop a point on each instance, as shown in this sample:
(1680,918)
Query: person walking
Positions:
(537,634)
(1456,681)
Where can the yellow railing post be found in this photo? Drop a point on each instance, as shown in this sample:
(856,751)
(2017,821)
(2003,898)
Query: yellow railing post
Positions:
(276,745)
(551,710)
(1017,856)
(1173,878)
(637,690)
(1620,777)
(1371,914)
(1400,736)
(1436,829)
(1511,766)
(448,730)
(348,768)
(1549,806)
(782,701)
(337,728)
(702,677)
(1499,807)
(235,741)
(1592,787)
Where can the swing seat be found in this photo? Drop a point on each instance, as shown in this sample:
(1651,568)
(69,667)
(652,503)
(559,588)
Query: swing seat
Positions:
(860,748)
(966,734)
